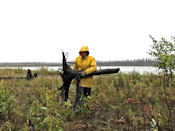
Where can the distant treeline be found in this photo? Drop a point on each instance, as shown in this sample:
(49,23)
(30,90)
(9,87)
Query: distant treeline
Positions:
(29,64)
(137,62)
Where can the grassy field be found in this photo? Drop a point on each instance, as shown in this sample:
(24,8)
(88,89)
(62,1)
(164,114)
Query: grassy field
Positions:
(118,102)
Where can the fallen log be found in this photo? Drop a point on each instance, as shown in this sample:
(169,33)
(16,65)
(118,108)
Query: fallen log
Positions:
(104,71)
(28,76)
(69,74)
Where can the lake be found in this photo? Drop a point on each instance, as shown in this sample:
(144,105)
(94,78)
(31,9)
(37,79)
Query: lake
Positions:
(139,69)
(124,69)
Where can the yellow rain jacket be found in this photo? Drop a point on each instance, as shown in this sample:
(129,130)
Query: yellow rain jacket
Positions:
(88,65)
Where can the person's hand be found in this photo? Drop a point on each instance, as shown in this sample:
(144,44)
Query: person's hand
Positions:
(74,81)
(82,74)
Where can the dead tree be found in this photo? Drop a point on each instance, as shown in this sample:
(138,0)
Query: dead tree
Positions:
(29,76)
(68,74)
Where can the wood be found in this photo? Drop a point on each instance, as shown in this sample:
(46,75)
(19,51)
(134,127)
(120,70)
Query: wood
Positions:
(28,76)
(69,74)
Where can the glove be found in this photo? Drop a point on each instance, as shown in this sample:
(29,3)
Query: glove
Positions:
(82,74)
(74,82)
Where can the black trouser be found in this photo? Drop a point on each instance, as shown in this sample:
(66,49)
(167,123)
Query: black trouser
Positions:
(86,92)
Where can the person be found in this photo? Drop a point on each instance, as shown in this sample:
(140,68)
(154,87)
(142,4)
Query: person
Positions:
(85,64)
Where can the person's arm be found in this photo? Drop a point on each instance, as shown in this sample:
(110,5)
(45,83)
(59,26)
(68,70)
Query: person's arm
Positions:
(74,68)
(92,68)
(75,65)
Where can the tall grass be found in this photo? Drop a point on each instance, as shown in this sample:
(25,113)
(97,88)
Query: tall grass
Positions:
(118,102)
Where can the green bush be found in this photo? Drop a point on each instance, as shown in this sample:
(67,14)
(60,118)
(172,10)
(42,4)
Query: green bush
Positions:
(118,102)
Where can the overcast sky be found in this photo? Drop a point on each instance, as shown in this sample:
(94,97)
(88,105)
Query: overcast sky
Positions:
(38,30)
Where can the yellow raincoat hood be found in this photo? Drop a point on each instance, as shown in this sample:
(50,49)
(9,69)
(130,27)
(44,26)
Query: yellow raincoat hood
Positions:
(84,48)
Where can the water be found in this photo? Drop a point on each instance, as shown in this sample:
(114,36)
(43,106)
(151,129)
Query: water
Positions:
(124,69)
(139,69)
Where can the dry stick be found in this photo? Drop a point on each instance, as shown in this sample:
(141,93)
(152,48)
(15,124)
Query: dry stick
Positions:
(7,78)
(28,76)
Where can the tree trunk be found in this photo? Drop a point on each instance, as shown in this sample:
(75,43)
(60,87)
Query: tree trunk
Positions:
(68,75)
